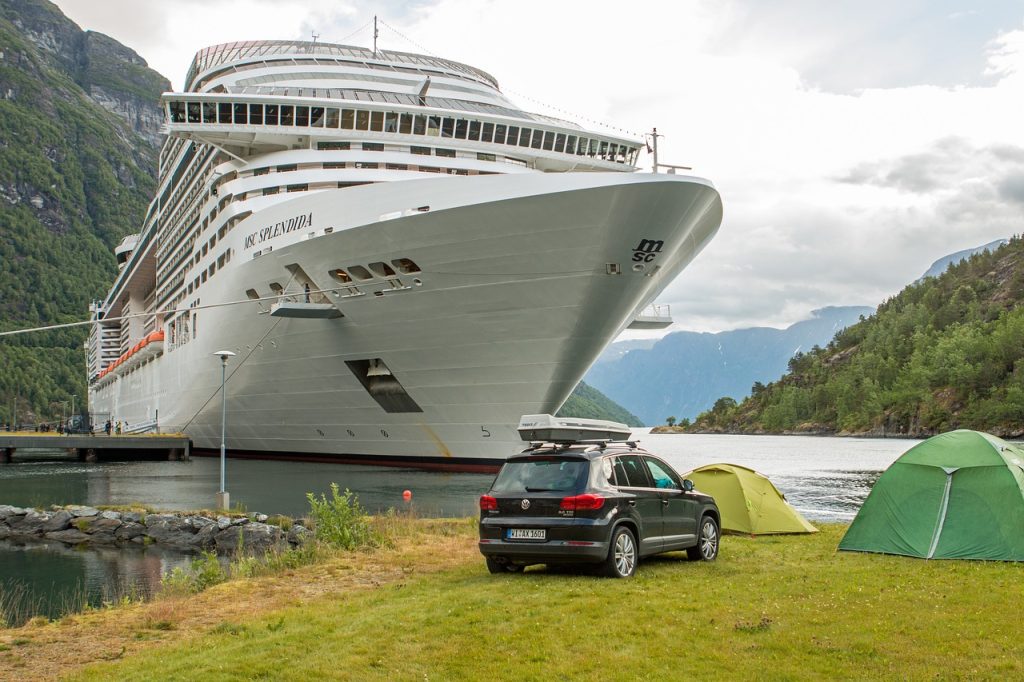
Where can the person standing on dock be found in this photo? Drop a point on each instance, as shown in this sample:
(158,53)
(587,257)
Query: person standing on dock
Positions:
(118,429)
(107,427)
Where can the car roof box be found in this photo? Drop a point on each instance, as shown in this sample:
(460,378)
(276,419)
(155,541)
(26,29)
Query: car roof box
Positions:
(549,429)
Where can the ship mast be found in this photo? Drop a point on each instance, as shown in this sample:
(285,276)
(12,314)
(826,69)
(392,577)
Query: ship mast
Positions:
(375,34)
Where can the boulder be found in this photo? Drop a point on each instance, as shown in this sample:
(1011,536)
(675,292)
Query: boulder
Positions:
(206,538)
(99,524)
(298,534)
(30,524)
(59,520)
(129,531)
(240,521)
(5,531)
(78,510)
(71,536)
(251,537)
(170,530)
(223,522)
(132,517)
(7,511)
(200,522)
(111,515)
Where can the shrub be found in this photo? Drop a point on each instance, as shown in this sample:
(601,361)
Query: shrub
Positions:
(340,521)
(204,572)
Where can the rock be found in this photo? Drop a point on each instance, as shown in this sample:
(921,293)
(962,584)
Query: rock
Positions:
(59,520)
(132,517)
(206,538)
(298,534)
(129,531)
(78,510)
(170,530)
(30,524)
(71,536)
(111,515)
(251,537)
(261,518)
(223,522)
(5,531)
(140,540)
(98,524)
(201,522)
(240,521)
(7,511)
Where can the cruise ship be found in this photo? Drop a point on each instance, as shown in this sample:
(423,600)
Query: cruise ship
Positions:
(402,260)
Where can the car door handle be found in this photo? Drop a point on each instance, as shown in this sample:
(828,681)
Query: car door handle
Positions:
(632,503)
(664,502)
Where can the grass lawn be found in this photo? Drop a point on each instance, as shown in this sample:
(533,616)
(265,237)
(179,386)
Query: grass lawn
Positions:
(769,608)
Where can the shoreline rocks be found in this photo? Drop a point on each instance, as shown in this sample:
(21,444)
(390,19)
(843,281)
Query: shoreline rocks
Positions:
(183,531)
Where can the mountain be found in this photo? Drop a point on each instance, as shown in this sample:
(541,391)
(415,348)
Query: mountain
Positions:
(589,403)
(941,265)
(685,372)
(79,137)
(947,352)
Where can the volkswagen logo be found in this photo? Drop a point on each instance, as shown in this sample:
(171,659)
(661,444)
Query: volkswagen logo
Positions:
(525,504)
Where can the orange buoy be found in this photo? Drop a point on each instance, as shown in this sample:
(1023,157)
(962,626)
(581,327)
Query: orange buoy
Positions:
(406,495)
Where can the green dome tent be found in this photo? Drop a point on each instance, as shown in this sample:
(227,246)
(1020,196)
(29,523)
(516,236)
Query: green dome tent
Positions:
(959,495)
(748,501)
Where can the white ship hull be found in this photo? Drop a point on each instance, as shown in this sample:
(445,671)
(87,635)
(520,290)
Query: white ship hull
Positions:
(515,299)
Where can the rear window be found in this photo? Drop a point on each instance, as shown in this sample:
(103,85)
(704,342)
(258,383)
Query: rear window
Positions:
(540,475)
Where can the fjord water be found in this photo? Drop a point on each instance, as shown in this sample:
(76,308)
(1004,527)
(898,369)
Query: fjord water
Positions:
(826,479)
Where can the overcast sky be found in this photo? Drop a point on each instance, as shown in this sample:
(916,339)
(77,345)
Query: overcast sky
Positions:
(854,142)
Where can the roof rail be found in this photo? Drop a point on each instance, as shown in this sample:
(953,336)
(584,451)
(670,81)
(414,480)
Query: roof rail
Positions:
(570,430)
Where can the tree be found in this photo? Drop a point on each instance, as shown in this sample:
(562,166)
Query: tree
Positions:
(671,421)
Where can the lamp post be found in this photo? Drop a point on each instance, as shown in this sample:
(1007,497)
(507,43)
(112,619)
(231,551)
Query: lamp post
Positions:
(223,498)
(72,415)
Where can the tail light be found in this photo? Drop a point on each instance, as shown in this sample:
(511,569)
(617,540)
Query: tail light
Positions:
(581,502)
(488,503)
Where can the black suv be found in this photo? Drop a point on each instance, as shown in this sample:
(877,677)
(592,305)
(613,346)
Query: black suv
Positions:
(609,504)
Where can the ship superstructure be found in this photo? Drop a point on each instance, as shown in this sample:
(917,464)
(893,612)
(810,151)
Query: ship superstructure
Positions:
(402,259)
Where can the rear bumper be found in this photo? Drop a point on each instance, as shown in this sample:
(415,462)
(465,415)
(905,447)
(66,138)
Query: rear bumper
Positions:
(554,551)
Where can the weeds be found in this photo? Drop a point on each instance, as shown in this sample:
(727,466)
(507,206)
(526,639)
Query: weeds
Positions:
(340,521)
(202,573)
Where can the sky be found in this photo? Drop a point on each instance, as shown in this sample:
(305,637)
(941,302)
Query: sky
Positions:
(853,142)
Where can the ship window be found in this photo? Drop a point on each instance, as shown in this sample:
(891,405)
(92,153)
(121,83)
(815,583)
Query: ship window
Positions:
(499,133)
(251,293)
(433,125)
(405,124)
(333,146)
(287,115)
(429,169)
(406,266)
(202,279)
(604,149)
(359,272)
(448,127)
(362,120)
(193,112)
(209,112)
(177,112)
(560,142)
(276,288)
(212,269)
(391,122)
(286,168)
(222,231)
(190,287)
(486,132)
(420,126)
(332,118)
(538,137)
(524,137)
(271,113)
(485,157)
(450,153)
(570,146)
(348,119)
(474,130)
(377,121)
(461,129)
(382,269)
(341,276)
(302,116)
(316,117)
(333,165)
(457,171)
(206,249)
(373,147)
(267,191)
(343,185)
(298,188)
(256,114)
(549,140)
(425,151)
(220,260)
(397,166)
(513,135)
(362,164)
(261,171)
(240,113)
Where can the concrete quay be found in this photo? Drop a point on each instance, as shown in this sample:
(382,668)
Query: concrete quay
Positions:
(87,448)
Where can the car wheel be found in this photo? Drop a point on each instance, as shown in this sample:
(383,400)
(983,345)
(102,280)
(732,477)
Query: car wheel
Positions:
(622,554)
(707,541)
(495,566)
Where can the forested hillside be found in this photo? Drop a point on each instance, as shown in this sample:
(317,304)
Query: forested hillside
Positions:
(947,352)
(79,132)
(589,403)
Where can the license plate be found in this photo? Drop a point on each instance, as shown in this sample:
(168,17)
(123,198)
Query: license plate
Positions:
(527,534)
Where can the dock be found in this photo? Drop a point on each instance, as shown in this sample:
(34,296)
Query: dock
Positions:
(88,448)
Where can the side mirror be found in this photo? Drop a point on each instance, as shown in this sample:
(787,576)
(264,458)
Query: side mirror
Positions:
(687,485)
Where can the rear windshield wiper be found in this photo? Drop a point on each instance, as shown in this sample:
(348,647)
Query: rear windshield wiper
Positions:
(539,490)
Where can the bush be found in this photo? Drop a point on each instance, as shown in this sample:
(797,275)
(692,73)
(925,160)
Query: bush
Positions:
(204,572)
(340,521)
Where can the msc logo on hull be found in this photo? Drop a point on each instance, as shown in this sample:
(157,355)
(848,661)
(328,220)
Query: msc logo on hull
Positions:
(647,250)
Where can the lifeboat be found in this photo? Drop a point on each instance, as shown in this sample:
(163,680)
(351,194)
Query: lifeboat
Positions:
(150,346)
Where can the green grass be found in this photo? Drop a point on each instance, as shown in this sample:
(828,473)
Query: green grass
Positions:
(769,608)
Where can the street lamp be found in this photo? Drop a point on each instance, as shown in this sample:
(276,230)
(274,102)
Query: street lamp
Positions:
(72,415)
(223,498)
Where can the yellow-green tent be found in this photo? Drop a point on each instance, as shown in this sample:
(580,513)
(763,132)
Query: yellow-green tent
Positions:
(748,501)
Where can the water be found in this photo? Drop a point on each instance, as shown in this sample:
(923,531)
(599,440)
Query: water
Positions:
(826,479)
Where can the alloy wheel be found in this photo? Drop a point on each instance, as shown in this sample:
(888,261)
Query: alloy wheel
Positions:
(708,540)
(625,554)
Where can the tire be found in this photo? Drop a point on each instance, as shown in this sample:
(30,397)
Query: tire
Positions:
(495,566)
(622,554)
(708,538)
